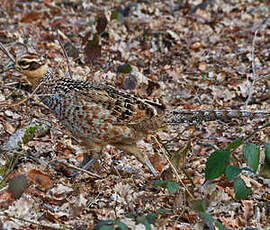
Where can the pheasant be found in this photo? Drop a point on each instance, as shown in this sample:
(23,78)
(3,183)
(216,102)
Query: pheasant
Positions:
(100,114)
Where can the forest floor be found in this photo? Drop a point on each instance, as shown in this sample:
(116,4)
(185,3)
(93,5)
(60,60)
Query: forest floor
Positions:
(183,54)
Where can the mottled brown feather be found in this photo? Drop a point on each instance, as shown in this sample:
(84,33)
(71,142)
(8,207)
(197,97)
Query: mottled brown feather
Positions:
(99,114)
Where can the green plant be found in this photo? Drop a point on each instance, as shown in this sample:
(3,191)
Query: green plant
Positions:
(218,164)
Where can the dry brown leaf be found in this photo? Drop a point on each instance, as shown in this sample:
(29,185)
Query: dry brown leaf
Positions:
(197,45)
(39,178)
(9,127)
(32,16)
(248,211)
(202,66)
(5,199)
(230,222)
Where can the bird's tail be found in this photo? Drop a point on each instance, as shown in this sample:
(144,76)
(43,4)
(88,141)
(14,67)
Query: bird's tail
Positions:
(197,116)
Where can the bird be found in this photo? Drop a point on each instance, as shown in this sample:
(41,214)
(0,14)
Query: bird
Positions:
(99,114)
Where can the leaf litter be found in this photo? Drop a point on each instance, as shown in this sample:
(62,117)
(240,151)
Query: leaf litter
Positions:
(182,54)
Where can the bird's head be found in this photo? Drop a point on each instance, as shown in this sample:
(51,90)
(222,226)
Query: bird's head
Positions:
(32,66)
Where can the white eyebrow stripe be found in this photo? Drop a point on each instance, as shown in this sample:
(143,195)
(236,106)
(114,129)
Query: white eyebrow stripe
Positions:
(29,59)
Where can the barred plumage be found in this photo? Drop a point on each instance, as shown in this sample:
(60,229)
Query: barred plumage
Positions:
(196,116)
(99,114)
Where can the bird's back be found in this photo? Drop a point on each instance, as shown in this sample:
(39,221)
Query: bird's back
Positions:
(99,112)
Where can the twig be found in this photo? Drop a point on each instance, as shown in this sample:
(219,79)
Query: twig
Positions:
(25,99)
(93,200)
(64,51)
(250,90)
(255,131)
(263,76)
(38,223)
(183,153)
(82,170)
(174,169)
(208,144)
(7,52)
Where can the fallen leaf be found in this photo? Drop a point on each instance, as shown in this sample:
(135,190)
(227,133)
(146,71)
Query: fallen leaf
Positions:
(9,127)
(92,50)
(39,178)
(101,24)
(32,16)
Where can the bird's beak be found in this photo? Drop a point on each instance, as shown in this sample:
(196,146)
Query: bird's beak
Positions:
(11,66)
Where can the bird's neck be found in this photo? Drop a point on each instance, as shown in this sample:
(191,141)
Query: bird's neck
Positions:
(42,76)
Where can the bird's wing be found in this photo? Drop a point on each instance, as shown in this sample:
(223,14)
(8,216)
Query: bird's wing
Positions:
(123,108)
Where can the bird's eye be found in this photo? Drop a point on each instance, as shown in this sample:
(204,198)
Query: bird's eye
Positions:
(34,65)
(23,63)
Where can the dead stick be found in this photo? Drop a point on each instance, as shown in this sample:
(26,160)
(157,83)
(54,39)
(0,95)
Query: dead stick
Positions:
(65,53)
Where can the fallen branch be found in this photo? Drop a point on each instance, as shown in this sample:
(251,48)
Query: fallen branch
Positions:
(38,223)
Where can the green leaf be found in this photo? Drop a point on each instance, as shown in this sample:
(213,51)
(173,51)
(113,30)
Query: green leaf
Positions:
(151,217)
(173,187)
(107,227)
(240,189)
(232,172)
(160,183)
(163,210)
(29,134)
(267,152)
(147,225)
(208,220)
(125,68)
(252,155)
(121,225)
(105,224)
(199,205)
(217,163)
(220,226)
(116,15)
(131,215)
(235,144)
(143,220)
